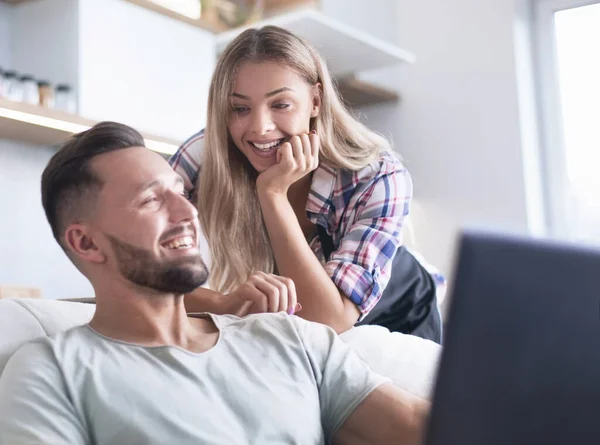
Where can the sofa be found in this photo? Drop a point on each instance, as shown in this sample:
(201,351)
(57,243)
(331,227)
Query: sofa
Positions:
(410,362)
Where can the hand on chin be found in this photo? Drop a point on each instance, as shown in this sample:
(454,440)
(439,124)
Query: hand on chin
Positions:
(295,159)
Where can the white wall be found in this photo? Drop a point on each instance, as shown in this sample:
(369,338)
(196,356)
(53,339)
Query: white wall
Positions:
(44,40)
(376,17)
(131,65)
(457,124)
(5,36)
(143,68)
(29,256)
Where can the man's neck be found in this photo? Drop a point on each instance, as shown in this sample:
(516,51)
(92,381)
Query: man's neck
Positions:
(150,320)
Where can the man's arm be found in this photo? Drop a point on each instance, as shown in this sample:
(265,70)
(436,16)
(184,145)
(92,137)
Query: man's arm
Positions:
(35,408)
(358,406)
(388,415)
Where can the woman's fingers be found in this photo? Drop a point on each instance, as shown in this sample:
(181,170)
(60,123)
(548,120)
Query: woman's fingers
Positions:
(315,146)
(292,306)
(285,154)
(267,293)
(306,152)
(271,291)
(298,150)
(300,153)
(283,294)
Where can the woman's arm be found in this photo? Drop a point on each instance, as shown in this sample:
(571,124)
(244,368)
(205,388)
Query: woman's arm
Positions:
(321,300)
(186,161)
(357,273)
(206,300)
(260,293)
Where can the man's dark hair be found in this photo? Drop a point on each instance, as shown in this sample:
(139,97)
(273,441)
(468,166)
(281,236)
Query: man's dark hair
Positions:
(69,184)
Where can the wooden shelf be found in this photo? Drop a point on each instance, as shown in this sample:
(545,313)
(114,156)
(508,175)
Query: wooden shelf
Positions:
(358,93)
(330,37)
(209,19)
(204,22)
(43,126)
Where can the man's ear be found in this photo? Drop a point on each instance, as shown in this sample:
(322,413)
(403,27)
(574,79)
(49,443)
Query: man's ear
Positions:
(80,242)
(316,103)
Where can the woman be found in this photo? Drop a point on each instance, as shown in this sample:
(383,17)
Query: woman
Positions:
(292,184)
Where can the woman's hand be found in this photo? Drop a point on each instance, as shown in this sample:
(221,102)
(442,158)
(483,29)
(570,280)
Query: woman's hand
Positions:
(264,293)
(295,159)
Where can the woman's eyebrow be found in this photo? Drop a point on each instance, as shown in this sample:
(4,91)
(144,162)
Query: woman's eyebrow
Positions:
(269,94)
(277,91)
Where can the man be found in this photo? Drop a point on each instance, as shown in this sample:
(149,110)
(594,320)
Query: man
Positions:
(142,371)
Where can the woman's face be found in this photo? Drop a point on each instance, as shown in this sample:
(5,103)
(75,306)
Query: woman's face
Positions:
(269,104)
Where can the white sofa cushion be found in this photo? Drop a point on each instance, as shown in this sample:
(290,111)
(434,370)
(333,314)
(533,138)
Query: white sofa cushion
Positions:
(22,320)
(409,361)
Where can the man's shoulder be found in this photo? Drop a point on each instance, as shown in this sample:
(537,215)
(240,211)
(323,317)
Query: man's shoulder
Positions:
(46,347)
(42,353)
(268,321)
(279,326)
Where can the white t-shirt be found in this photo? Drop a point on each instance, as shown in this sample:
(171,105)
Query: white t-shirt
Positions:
(270,379)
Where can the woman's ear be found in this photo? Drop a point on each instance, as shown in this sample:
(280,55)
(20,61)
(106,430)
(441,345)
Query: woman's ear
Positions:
(316,103)
(80,242)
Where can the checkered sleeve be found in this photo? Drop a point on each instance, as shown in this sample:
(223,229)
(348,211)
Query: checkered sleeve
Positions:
(186,161)
(361,265)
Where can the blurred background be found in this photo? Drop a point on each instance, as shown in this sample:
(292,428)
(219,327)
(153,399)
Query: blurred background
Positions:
(493,104)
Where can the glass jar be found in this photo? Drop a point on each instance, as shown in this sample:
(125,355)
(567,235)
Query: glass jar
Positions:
(31,93)
(46,93)
(64,98)
(13,89)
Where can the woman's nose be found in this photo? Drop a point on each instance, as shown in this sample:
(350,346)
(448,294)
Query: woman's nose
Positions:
(262,122)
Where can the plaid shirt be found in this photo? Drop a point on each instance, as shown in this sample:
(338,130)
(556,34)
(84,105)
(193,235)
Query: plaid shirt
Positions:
(363,211)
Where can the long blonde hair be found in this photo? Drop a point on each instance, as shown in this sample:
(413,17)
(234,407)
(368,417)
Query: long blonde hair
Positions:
(228,205)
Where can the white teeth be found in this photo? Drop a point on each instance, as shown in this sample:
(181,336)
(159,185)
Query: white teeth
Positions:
(179,243)
(266,146)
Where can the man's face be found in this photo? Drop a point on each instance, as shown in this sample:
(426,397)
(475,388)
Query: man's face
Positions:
(144,224)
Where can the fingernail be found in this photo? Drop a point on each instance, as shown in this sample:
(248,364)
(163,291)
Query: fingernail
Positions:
(291,311)
(313,132)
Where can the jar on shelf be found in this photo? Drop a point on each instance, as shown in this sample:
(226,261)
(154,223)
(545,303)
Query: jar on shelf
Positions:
(46,93)
(1,82)
(13,88)
(31,93)
(64,98)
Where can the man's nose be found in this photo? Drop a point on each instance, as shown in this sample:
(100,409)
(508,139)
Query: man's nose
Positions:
(182,209)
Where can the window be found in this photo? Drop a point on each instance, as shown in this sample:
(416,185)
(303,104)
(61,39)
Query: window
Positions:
(569,76)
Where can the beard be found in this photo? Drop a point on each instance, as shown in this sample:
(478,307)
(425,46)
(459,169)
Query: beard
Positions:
(140,266)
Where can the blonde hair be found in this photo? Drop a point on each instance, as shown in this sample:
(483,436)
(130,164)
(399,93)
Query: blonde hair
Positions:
(228,205)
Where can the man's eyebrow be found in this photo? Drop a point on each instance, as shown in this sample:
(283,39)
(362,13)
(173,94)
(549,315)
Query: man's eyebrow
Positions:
(148,185)
(269,94)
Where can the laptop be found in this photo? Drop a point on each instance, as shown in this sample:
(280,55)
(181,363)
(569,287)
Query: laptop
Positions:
(521,358)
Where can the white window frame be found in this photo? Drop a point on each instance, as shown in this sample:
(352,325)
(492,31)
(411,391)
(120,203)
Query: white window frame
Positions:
(550,112)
